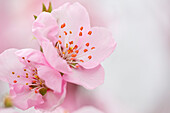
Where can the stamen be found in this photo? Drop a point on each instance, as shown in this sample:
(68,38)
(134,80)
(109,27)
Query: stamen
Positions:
(70,32)
(87,44)
(25,70)
(59,36)
(71,42)
(74,55)
(59,42)
(81,28)
(89,57)
(76,46)
(18,76)
(15,81)
(63,52)
(81,61)
(92,48)
(63,25)
(85,50)
(80,34)
(66,45)
(13,72)
(26,83)
(36,91)
(65,32)
(90,32)
(77,51)
(23,57)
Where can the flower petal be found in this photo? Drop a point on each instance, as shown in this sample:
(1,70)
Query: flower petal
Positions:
(9,63)
(52,100)
(24,98)
(45,26)
(54,59)
(33,55)
(87,109)
(104,45)
(74,16)
(53,79)
(88,78)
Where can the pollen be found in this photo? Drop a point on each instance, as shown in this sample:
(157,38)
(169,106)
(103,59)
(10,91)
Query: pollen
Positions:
(80,34)
(26,76)
(23,57)
(71,42)
(18,76)
(70,32)
(71,48)
(25,70)
(15,81)
(87,44)
(63,52)
(90,32)
(26,83)
(85,50)
(59,36)
(81,28)
(77,66)
(13,72)
(89,57)
(63,25)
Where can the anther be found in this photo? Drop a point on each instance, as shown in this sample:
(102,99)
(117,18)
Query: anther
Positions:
(59,36)
(89,57)
(26,83)
(25,70)
(80,34)
(71,42)
(23,57)
(18,76)
(72,58)
(74,55)
(81,61)
(15,81)
(90,32)
(77,51)
(63,25)
(13,72)
(85,50)
(59,42)
(76,46)
(81,28)
(36,91)
(65,32)
(87,44)
(92,48)
(63,52)
(66,45)
(70,32)
(34,82)
(28,61)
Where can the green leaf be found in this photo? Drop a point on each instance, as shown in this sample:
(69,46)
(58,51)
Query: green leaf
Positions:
(50,8)
(44,8)
(43,91)
(35,17)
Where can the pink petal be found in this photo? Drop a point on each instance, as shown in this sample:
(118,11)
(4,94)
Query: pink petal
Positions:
(33,55)
(104,45)
(52,100)
(54,59)
(74,16)
(88,109)
(25,98)
(53,79)
(9,63)
(45,26)
(88,78)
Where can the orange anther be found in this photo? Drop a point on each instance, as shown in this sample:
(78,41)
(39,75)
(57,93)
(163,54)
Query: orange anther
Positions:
(71,42)
(76,46)
(36,91)
(74,55)
(85,50)
(34,82)
(26,76)
(81,28)
(63,25)
(30,88)
(72,58)
(18,76)
(90,32)
(23,57)
(25,70)
(89,57)
(80,34)
(70,32)
(15,81)
(77,66)
(59,36)
(77,51)
(87,44)
(28,61)
(93,48)
(65,32)
(81,61)
(59,42)
(56,47)
(66,45)
(13,72)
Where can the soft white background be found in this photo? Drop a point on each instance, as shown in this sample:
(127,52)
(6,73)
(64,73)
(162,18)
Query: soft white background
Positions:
(137,73)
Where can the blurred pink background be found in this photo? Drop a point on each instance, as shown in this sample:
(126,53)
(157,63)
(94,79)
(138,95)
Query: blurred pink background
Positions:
(137,73)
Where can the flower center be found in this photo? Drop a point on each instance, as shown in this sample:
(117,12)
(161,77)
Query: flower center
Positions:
(30,78)
(70,50)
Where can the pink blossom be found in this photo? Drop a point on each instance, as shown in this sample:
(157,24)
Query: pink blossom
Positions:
(72,46)
(32,82)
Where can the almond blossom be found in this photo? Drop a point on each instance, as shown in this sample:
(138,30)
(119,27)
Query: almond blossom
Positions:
(31,80)
(71,46)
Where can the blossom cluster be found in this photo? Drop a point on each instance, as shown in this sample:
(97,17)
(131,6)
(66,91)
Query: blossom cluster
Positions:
(71,52)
